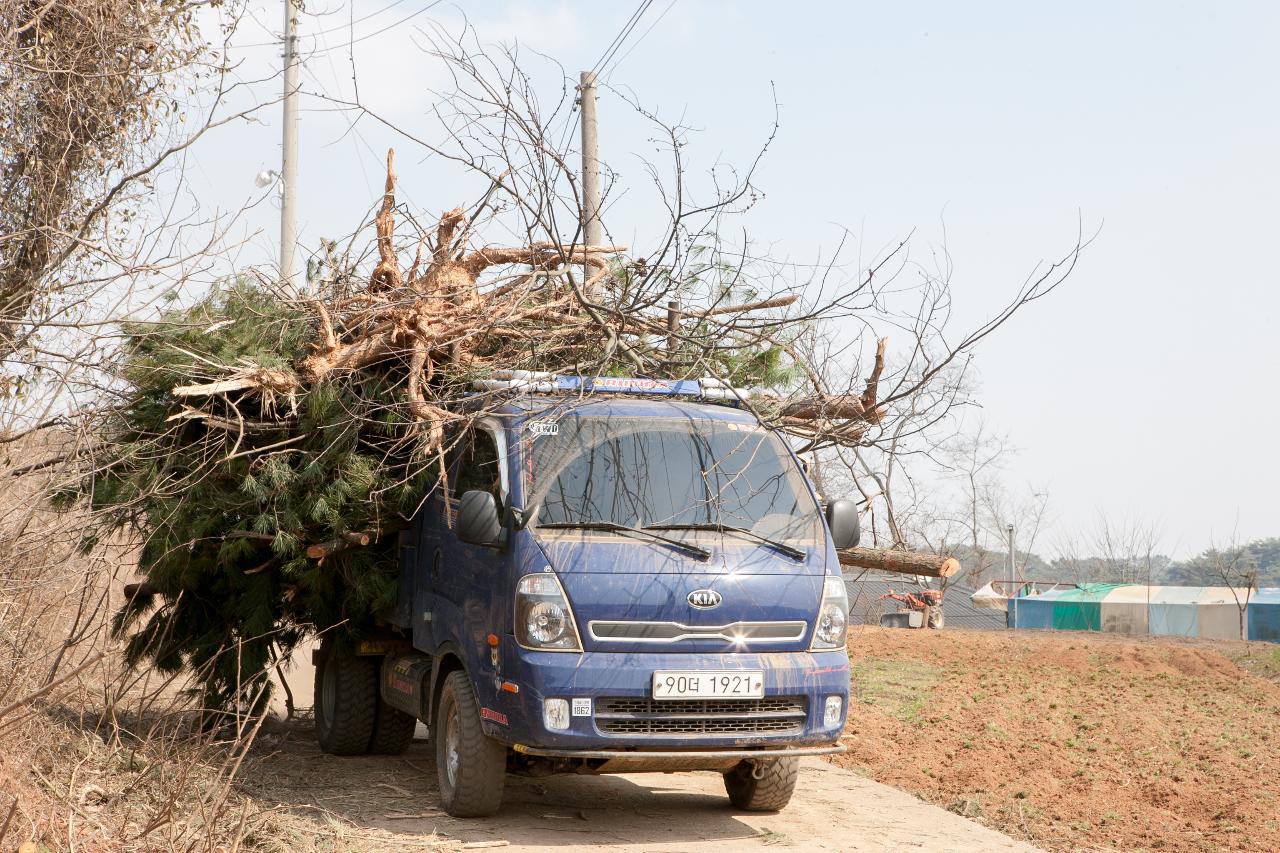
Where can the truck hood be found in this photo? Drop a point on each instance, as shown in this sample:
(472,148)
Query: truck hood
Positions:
(631,596)
(591,552)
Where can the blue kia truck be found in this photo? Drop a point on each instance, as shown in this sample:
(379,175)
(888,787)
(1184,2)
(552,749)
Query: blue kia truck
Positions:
(620,575)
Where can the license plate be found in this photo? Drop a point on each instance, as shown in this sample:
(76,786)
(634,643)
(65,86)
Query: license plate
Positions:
(708,684)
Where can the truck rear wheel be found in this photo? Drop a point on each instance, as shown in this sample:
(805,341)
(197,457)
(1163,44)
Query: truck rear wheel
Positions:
(762,786)
(346,701)
(472,766)
(392,730)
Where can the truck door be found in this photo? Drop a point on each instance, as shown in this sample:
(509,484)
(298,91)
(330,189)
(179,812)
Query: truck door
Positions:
(465,578)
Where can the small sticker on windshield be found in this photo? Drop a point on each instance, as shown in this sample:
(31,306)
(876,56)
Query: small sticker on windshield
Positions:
(537,428)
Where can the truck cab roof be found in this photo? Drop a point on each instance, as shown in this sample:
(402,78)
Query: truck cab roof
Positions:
(521,394)
(618,405)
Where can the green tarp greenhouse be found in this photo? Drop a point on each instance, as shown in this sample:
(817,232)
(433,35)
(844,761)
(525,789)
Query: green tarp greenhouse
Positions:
(1208,611)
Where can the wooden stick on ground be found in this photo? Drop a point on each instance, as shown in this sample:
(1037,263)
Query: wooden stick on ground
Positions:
(902,562)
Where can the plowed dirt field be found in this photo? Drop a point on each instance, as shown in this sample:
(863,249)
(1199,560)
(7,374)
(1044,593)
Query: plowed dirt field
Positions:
(1075,741)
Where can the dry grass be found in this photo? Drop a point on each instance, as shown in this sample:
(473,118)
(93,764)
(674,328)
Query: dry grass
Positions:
(92,757)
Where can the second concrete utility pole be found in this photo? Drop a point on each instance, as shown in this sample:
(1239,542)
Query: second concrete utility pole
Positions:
(289,147)
(593,233)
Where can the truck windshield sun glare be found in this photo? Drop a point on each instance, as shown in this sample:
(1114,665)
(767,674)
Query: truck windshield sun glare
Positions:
(543,618)
(833,616)
(735,480)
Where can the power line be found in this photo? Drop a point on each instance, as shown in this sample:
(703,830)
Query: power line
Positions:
(636,43)
(348,26)
(622,36)
(352,132)
(319,32)
(617,42)
(360,20)
(403,20)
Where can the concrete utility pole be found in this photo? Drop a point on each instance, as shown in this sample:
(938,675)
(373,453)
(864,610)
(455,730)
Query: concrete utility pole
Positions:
(1012,607)
(593,233)
(289,147)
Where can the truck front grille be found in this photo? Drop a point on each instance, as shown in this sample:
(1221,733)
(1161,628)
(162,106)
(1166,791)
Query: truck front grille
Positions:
(772,715)
(739,633)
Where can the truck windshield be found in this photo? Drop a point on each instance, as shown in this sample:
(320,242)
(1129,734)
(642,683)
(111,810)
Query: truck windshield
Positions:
(685,477)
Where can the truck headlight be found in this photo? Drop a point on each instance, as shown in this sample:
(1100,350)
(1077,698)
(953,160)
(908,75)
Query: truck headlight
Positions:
(833,616)
(543,618)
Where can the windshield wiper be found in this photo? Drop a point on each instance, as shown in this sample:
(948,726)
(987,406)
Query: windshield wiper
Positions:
(793,553)
(697,550)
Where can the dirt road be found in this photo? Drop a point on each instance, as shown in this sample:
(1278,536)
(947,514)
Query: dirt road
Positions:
(368,804)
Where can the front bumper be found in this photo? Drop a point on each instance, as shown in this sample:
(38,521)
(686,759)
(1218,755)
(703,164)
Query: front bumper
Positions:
(599,675)
(665,761)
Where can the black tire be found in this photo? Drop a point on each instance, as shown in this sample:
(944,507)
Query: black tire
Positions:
(392,730)
(472,766)
(770,793)
(346,701)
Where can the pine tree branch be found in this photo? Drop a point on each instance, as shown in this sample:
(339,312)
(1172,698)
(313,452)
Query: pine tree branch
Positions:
(250,534)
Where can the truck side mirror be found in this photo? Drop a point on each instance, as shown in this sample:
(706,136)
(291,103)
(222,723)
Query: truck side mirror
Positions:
(478,518)
(842,518)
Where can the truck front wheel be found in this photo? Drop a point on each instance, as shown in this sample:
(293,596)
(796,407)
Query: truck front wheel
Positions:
(346,701)
(472,766)
(762,786)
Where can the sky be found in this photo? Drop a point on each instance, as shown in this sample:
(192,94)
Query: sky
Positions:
(1143,389)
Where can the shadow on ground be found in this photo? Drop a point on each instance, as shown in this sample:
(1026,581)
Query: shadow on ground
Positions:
(398,794)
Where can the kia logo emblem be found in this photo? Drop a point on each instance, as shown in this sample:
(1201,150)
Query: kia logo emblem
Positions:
(704,599)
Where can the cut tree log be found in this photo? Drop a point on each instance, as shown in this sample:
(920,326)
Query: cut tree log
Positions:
(779,302)
(349,539)
(135,589)
(902,562)
(248,379)
(841,407)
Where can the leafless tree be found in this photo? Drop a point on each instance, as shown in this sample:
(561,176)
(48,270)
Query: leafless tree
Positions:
(102,101)
(1236,567)
(1117,550)
(939,483)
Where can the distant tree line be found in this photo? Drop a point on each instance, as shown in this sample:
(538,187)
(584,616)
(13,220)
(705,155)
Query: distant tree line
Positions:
(1259,559)
(1255,563)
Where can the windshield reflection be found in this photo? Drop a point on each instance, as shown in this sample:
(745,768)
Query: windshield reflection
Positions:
(667,473)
